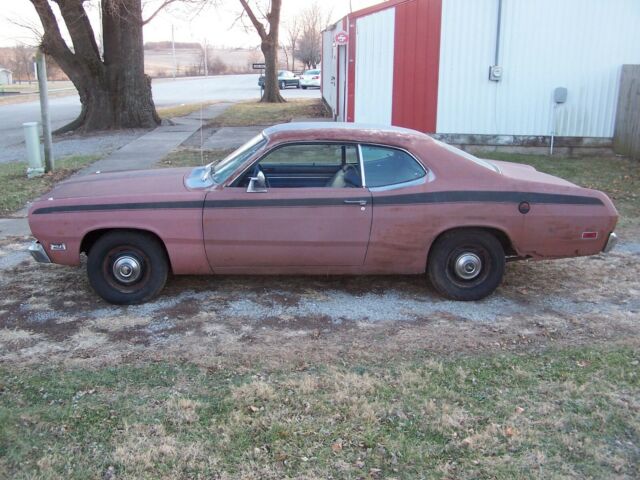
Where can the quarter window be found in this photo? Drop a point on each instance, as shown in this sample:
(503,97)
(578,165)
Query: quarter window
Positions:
(385,166)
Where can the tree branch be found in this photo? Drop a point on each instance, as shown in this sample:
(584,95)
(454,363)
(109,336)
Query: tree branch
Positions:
(254,20)
(52,41)
(80,29)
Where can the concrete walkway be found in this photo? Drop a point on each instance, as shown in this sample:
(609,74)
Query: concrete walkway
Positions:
(140,154)
(152,147)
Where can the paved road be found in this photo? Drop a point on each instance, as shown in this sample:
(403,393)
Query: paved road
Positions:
(166,92)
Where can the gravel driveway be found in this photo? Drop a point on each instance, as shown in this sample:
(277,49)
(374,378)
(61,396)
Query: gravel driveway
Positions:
(49,313)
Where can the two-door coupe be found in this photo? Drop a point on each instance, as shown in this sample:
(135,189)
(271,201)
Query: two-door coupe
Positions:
(323,198)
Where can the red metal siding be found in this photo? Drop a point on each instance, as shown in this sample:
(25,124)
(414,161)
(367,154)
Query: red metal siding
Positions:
(351,70)
(416,64)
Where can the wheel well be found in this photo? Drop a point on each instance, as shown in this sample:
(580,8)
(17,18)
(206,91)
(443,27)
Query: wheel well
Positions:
(92,237)
(502,237)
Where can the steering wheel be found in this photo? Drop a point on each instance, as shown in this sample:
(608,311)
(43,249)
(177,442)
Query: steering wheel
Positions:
(255,172)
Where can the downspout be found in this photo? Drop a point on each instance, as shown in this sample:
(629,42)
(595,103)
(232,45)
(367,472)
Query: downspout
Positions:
(495,71)
(498,32)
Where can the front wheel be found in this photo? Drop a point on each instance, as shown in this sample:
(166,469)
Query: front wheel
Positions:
(127,267)
(466,265)
(282,85)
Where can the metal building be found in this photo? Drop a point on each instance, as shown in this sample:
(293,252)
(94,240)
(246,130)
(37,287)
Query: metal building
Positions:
(483,67)
(6,78)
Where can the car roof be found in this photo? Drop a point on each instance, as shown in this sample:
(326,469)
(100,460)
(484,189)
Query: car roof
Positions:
(343,131)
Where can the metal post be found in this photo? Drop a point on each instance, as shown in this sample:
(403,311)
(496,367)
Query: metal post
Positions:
(173,49)
(44,107)
(206,59)
(32,141)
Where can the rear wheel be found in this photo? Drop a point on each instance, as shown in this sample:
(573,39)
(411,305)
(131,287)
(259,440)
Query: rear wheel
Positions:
(304,87)
(466,265)
(127,267)
(282,85)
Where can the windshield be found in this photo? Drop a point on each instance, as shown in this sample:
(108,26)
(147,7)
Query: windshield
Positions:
(468,156)
(223,170)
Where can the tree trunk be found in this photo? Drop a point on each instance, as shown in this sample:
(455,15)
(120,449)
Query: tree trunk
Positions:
(114,92)
(271,87)
(269,46)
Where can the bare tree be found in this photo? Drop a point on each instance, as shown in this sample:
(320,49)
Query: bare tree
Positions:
(293,30)
(215,64)
(313,21)
(113,88)
(21,63)
(269,45)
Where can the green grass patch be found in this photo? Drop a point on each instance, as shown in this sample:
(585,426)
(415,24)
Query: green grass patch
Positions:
(568,413)
(255,113)
(188,157)
(181,110)
(618,177)
(17,189)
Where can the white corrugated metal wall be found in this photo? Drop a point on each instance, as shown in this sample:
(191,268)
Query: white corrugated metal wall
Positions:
(578,44)
(329,68)
(374,67)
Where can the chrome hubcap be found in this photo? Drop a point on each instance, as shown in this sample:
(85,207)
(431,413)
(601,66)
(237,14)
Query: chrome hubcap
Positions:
(127,269)
(468,266)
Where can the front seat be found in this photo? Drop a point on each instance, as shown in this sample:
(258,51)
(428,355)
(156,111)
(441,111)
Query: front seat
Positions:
(347,177)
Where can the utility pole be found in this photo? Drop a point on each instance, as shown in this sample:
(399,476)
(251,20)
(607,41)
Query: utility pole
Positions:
(173,49)
(41,67)
(206,58)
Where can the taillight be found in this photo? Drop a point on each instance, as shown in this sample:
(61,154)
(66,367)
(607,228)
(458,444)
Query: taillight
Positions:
(315,78)
(589,235)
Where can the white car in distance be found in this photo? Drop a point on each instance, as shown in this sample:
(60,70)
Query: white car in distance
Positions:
(310,78)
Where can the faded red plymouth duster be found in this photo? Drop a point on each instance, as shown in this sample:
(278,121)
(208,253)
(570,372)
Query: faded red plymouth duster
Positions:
(320,199)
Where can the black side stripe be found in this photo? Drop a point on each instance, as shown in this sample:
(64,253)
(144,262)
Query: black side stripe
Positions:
(411,199)
(486,197)
(119,206)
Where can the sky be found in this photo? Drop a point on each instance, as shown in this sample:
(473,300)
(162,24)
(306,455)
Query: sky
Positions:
(215,26)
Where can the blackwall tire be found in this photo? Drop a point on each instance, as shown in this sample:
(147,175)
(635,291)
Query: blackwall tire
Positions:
(127,268)
(466,265)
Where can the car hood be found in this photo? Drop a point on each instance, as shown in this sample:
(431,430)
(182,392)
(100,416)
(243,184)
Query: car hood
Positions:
(139,182)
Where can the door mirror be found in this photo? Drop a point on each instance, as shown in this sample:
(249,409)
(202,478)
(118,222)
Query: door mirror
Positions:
(257,184)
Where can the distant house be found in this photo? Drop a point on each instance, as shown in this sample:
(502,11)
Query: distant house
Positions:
(6,77)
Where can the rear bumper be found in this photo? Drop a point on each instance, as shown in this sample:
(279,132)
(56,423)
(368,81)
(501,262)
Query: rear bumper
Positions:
(38,253)
(611,242)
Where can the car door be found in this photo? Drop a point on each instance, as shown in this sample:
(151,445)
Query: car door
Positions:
(302,222)
(401,226)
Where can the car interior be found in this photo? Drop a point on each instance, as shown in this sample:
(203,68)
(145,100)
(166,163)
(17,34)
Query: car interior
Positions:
(307,166)
(332,165)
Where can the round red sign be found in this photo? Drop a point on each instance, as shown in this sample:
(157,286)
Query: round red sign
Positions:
(342,38)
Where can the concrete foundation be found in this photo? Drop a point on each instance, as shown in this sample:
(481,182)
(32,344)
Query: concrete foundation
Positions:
(531,145)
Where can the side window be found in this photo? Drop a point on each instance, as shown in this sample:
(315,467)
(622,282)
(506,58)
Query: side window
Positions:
(311,165)
(387,166)
(312,155)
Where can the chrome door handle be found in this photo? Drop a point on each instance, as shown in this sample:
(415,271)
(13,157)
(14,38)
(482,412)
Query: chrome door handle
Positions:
(356,202)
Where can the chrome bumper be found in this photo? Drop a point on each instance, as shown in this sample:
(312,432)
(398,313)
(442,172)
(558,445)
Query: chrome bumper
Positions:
(38,253)
(611,242)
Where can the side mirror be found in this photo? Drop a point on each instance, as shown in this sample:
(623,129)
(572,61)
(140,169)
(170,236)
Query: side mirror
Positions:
(257,184)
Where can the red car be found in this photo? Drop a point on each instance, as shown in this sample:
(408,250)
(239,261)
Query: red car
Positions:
(320,199)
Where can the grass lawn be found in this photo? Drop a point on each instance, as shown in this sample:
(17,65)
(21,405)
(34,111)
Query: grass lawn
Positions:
(188,157)
(618,177)
(256,113)
(181,110)
(17,189)
(570,413)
